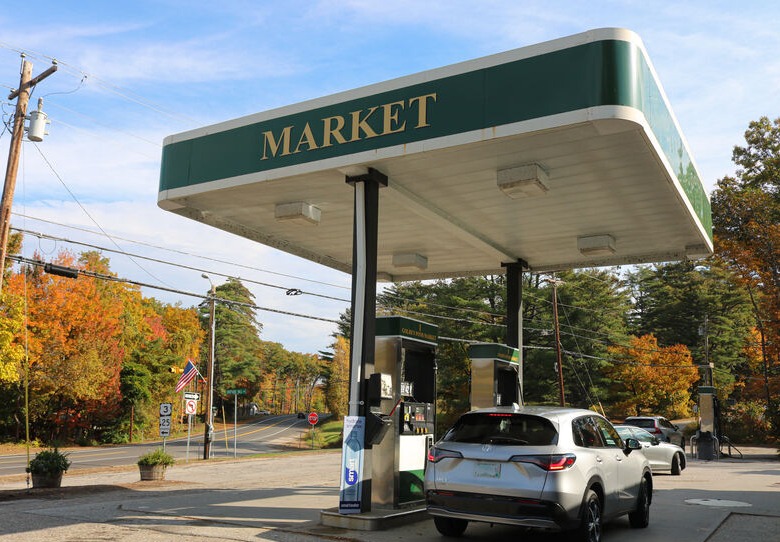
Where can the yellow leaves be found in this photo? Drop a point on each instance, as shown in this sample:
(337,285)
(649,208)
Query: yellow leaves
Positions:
(655,379)
(11,351)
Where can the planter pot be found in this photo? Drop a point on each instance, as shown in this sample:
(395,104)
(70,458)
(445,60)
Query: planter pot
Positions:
(47,480)
(152,472)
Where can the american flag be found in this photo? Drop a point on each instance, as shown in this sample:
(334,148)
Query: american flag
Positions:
(190,371)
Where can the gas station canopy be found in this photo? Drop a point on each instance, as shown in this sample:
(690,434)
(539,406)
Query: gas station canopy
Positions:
(564,154)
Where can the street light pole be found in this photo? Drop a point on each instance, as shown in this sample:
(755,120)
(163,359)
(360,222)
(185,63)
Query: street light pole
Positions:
(208,431)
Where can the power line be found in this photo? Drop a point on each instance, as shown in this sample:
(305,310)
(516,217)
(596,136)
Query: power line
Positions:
(105,233)
(109,278)
(122,92)
(182,266)
(184,253)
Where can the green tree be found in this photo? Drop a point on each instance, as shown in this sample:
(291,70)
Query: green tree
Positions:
(701,305)
(593,305)
(238,346)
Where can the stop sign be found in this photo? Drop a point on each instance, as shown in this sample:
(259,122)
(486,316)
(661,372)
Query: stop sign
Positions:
(313,418)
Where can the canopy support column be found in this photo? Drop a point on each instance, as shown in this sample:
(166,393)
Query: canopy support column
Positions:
(514,312)
(364,272)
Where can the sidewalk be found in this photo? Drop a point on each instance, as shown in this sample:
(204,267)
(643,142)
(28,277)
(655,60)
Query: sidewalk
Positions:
(279,498)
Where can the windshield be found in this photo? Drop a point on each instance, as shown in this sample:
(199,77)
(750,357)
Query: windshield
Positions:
(640,434)
(500,428)
(641,423)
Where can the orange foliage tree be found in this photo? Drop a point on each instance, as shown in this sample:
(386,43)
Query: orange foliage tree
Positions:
(73,348)
(649,379)
(337,383)
(746,226)
(81,336)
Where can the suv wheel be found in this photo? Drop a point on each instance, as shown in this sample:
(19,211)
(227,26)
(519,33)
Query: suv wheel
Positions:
(640,518)
(450,526)
(590,526)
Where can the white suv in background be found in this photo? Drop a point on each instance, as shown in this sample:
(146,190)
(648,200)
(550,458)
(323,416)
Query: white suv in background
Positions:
(659,427)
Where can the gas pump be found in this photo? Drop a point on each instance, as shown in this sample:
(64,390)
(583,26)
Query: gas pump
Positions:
(403,392)
(496,375)
(707,438)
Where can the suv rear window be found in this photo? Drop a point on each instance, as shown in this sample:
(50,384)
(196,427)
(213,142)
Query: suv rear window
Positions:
(501,428)
(642,423)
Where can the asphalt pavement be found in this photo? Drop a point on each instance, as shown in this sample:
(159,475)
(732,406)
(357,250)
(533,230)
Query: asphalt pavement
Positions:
(282,498)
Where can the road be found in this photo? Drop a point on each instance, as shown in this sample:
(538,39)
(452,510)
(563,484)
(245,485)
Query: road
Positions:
(262,434)
(280,498)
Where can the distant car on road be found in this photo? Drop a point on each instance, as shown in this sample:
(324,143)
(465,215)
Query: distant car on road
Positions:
(663,456)
(550,468)
(301,415)
(660,427)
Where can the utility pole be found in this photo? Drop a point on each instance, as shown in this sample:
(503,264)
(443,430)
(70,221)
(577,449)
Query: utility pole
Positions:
(555,282)
(208,431)
(22,96)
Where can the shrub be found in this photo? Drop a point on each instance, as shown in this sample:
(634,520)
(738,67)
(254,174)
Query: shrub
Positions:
(156,457)
(49,462)
(746,423)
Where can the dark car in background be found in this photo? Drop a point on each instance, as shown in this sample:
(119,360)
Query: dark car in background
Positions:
(660,427)
(552,468)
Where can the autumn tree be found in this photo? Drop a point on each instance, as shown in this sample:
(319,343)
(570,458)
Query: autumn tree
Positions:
(650,379)
(701,305)
(97,350)
(337,379)
(11,322)
(73,348)
(746,224)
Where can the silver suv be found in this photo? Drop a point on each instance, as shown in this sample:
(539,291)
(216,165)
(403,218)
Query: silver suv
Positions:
(543,467)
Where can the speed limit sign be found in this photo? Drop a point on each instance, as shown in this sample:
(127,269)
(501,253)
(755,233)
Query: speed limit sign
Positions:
(191,406)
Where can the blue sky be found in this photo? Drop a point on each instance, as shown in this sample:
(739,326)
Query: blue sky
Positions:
(132,73)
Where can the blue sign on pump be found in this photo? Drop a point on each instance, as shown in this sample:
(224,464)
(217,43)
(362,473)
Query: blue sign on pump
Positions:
(352,465)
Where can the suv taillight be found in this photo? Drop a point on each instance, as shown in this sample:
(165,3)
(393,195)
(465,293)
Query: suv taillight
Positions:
(553,462)
(437,454)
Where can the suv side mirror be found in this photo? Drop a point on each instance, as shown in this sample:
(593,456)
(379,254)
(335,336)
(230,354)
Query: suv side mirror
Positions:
(631,444)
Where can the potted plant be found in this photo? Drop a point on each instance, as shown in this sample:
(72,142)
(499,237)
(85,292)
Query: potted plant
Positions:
(47,468)
(153,464)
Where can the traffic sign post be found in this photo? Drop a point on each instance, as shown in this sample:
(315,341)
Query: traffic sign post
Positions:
(166,409)
(236,392)
(313,419)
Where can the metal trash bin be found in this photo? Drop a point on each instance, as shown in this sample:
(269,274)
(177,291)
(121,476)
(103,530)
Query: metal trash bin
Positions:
(705,446)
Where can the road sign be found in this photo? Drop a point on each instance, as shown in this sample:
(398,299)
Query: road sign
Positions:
(190,406)
(166,409)
(239,391)
(165,426)
(191,395)
(313,418)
